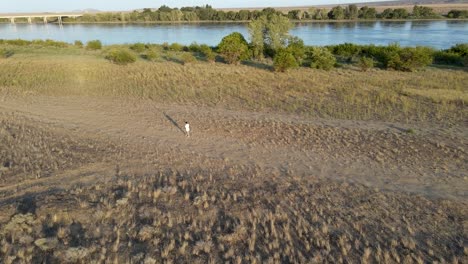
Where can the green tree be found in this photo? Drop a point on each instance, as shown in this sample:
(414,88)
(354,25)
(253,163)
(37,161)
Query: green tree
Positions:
(257,34)
(270,31)
(423,12)
(351,12)
(387,13)
(284,60)
(337,13)
(367,13)
(297,48)
(234,48)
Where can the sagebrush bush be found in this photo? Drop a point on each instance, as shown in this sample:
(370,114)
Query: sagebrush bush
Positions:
(284,60)
(78,43)
(138,47)
(366,63)
(121,56)
(94,45)
(208,53)
(151,55)
(5,53)
(188,58)
(176,47)
(321,58)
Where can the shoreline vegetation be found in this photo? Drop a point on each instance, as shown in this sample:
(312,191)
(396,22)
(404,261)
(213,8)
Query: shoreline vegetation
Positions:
(248,21)
(204,14)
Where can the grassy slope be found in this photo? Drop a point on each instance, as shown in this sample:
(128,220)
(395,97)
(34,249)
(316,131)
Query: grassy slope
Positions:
(346,93)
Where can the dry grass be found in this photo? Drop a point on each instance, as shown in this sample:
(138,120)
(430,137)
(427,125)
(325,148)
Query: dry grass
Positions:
(223,213)
(340,93)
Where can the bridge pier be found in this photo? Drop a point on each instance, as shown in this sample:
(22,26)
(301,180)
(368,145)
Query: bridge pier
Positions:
(60,20)
(29,20)
(12,20)
(45,20)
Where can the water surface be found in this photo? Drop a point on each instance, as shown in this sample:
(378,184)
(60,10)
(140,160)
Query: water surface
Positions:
(437,34)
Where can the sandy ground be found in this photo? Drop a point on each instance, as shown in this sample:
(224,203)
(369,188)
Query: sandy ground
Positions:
(431,161)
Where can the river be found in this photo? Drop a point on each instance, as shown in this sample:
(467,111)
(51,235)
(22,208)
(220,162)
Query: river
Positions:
(439,34)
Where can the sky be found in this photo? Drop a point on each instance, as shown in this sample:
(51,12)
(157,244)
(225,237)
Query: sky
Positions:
(23,6)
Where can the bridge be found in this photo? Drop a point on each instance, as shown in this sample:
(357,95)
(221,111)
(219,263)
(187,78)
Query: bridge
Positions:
(44,16)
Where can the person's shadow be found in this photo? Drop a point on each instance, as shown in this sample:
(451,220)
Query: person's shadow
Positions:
(173,122)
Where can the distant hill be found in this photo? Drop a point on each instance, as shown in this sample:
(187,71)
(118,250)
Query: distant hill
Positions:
(88,10)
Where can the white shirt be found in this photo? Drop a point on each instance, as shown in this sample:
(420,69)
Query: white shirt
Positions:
(187,127)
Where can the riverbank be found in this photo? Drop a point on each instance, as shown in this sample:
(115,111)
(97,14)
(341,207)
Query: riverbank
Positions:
(248,21)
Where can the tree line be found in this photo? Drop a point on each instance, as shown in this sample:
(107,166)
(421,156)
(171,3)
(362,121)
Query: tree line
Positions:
(207,13)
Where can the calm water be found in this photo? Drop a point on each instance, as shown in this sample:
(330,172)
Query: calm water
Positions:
(437,34)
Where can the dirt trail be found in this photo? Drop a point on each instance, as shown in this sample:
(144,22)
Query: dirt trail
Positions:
(381,155)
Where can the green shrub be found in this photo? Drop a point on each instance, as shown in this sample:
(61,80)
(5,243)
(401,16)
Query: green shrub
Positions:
(176,47)
(138,47)
(78,43)
(448,58)
(409,59)
(5,53)
(366,63)
(188,58)
(346,49)
(461,49)
(165,46)
(208,53)
(284,60)
(94,45)
(296,48)
(321,58)
(194,47)
(18,42)
(234,48)
(121,56)
(53,43)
